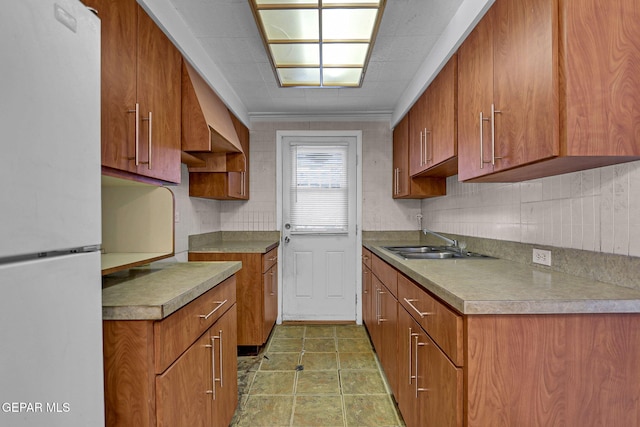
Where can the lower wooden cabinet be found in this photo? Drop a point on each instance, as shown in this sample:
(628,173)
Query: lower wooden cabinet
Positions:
(382,325)
(201,388)
(368,315)
(180,371)
(524,370)
(430,386)
(257,292)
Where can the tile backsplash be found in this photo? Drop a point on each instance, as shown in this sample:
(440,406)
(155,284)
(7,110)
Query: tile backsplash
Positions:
(594,210)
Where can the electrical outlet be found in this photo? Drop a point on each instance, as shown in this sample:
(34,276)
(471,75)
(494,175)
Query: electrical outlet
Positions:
(176,217)
(540,256)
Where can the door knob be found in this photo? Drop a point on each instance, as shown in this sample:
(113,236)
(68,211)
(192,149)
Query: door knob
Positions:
(287,239)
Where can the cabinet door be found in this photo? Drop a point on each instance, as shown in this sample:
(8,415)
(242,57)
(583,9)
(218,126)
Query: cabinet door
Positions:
(270,284)
(367,298)
(224,364)
(441,382)
(525,82)
(601,51)
(409,399)
(183,391)
(237,185)
(401,158)
(441,143)
(404,186)
(475,95)
(388,350)
(375,329)
(118,81)
(158,92)
(417,135)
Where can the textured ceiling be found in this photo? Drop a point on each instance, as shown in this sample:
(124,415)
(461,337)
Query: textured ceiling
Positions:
(227,34)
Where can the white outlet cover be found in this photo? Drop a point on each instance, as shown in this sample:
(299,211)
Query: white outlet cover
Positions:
(541,256)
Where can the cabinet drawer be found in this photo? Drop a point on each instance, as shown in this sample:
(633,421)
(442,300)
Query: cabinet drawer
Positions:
(174,334)
(440,322)
(269,259)
(387,274)
(366,257)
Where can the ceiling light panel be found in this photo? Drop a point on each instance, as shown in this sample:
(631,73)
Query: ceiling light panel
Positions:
(322,43)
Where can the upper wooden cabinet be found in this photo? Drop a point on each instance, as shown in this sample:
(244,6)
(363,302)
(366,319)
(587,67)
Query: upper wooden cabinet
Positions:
(433,126)
(547,87)
(140,93)
(404,186)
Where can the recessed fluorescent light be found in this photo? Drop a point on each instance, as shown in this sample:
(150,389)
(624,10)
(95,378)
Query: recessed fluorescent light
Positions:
(318,43)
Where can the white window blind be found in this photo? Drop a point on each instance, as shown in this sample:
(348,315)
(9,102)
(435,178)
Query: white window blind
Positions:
(319,191)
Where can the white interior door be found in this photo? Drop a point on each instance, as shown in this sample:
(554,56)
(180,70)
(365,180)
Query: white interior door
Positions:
(319,219)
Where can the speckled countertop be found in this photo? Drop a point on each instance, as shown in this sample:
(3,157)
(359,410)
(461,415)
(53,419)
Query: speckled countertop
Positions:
(153,293)
(238,246)
(497,286)
(234,242)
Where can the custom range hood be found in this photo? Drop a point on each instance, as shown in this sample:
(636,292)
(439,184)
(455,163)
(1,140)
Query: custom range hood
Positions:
(206,121)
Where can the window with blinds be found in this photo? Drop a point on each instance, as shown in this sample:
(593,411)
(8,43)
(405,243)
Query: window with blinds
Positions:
(319,190)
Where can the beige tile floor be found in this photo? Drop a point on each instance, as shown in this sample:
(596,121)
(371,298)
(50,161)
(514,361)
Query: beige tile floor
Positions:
(314,375)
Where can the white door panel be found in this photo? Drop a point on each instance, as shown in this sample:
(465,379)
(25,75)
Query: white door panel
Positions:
(319,216)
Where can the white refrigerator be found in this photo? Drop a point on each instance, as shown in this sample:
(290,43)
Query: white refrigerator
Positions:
(50,225)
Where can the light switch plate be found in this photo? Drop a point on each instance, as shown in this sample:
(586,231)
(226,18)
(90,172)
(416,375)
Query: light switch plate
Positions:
(541,256)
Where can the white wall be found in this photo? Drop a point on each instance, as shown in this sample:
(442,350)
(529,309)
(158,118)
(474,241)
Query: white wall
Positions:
(195,216)
(595,210)
(380,211)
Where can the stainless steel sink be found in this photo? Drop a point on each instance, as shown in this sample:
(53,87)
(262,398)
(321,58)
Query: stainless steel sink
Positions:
(416,249)
(431,252)
(425,255)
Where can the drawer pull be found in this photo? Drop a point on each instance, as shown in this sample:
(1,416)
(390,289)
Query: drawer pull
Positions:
(273,258)
(220,304)
(421,314)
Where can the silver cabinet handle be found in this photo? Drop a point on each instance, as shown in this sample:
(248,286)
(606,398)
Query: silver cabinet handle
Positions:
(418,344)
(493,134)
(421,314)
(411,336)
(482,119)
(364,287)
(395,181)
(149,138)
(220,360)
(220,304)
(380,319)
(213,367)
(213,364)
(273,291)
(137,132)
(421,150)
(378,306)
(415,338)
(428,157)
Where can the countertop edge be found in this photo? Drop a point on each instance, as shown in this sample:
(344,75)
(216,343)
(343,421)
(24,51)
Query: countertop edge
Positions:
(238,246)
(161,311)
(508,307)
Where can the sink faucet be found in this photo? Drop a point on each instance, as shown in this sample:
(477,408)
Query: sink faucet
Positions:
(451,242)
